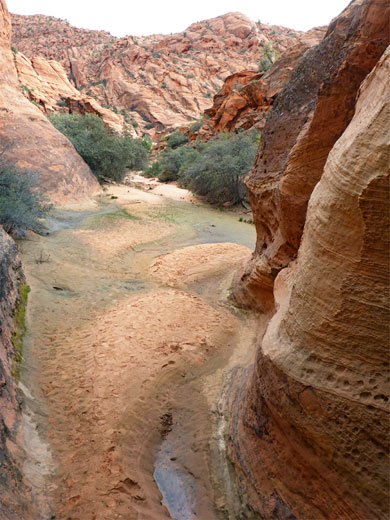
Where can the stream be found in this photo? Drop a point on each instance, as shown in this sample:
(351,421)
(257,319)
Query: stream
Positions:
(131,336)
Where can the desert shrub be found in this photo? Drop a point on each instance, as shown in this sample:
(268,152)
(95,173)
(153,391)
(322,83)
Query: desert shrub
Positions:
(21,206)
(176,139)
(214,170)
(268,57)
(108,154)
(195,127)
(218,171)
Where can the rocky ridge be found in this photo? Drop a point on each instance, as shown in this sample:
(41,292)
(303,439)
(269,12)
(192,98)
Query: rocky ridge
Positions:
(155,81)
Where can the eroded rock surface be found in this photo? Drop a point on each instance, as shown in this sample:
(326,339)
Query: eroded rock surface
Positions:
(158,81)
(307,118)
(310,434)
(247,96)
(29,141)
(14,494)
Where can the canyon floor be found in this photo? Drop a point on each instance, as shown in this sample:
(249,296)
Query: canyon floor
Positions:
(131,334)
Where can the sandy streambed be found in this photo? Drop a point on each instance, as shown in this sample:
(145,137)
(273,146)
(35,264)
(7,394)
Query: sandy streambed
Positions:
(130,332)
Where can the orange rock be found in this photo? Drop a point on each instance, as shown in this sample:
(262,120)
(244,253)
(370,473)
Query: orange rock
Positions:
(310,438)
(161,82)
(30,141)
(307,118)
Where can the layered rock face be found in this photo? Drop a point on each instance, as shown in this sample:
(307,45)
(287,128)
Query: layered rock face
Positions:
(46,84)
(247,96)
(156,81)
(311,434)
(307,118)
(14,495)
(30,142)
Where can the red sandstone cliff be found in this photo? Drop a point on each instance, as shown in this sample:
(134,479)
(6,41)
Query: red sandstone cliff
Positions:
(309,435)
(247,96)
(307,118)
(156,81)
(30,141)
(45,83)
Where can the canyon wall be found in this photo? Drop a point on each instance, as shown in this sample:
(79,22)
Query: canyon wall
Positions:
(158,81)
(30,142)
(309,437)
(307,118)
(14,494)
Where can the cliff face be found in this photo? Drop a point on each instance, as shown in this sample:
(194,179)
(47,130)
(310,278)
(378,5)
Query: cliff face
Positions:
(29,141)
(156,81)
(247,96)
(14,495)
(45,83)
(310,431)
(307,118)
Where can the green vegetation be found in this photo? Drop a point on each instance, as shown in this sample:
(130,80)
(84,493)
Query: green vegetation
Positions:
(214,170)
(14,49)
(19,329)
(108,154)
(268,57)
(176,139)
(21,207)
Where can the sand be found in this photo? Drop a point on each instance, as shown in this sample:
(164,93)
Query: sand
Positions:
(112,328)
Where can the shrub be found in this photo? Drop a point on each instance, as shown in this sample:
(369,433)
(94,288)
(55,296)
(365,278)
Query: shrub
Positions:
(214,170)
(269,56)
(196,126)
(219,170)
(176,139)
(108,154)
(20,206)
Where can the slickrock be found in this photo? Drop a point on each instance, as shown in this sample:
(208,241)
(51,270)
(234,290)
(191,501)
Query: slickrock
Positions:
(157,82)
(311,428)
(307,118)
(247,96)
(46,84)
(14,494)
(28,139)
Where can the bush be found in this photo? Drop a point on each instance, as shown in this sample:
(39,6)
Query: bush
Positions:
(269,56)
(219,170)
(214,170)
(108,154)
(20,206)
(176,139)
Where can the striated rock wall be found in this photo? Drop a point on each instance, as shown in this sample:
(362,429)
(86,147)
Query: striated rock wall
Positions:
(14,494)
(310,436)
(307,118)
(29,141)
(45,83)
(158,81)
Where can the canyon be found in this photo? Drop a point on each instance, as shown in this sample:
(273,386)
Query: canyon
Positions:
(168,371)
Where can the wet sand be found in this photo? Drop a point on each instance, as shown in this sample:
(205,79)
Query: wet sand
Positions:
(130,333)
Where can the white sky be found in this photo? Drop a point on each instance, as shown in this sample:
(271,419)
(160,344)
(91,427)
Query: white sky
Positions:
(144,17)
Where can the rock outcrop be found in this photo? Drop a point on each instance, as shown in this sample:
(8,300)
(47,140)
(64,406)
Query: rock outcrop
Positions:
(247,96)
(307,118)
(14,494)
(46,84)
(157,82)
(310,435)
(30,142)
